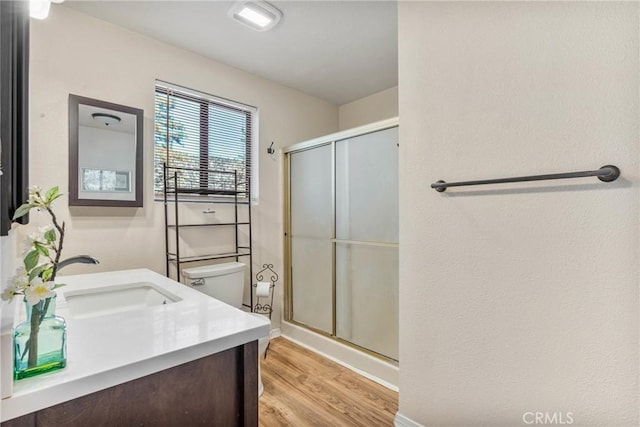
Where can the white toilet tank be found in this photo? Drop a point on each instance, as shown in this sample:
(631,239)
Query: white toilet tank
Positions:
(224,282)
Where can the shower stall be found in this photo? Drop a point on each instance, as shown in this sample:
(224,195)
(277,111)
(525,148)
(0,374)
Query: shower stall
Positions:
(342,237)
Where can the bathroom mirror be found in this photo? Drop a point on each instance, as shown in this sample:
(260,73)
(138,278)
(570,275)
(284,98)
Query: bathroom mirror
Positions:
(105,153)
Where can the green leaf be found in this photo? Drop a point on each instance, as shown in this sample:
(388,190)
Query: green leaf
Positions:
(37,271)
(46,274)
(50,235)
(55,197)
(40,248)
(31,260)
(58,285)
(23,210)
(51,194)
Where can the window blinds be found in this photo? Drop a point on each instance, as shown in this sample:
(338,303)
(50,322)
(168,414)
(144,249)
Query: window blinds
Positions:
(204,133)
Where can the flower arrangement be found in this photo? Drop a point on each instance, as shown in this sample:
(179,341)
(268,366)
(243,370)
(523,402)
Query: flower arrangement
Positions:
(35,278)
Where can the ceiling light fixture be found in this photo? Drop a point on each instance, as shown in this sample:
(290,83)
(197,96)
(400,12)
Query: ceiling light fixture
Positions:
(106,119)
(39,9)
(255,14)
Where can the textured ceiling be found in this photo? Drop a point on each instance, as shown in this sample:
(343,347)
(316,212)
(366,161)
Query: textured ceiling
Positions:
(339,51)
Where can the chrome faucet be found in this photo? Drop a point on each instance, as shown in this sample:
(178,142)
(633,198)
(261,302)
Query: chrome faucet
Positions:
(80,259)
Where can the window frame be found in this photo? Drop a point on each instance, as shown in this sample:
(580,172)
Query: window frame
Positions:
(251,146)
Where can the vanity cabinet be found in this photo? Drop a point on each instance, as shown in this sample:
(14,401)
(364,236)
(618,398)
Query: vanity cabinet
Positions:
(217,390)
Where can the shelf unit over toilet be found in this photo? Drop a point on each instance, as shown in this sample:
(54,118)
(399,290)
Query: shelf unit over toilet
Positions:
(224,188)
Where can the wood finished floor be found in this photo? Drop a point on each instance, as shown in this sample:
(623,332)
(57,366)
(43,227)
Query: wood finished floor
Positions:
(302,388)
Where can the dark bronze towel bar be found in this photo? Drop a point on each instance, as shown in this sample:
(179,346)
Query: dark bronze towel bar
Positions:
(606,173)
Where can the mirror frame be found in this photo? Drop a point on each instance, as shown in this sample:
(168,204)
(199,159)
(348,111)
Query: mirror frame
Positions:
(74,200)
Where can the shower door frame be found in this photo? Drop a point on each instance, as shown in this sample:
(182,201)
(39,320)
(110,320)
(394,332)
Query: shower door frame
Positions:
(331,140)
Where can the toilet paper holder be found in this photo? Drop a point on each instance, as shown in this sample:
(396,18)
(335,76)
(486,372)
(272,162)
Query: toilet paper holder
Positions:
(265,307)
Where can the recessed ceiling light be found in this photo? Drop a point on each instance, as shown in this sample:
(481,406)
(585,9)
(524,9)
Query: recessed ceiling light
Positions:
(260,19)
(256,14)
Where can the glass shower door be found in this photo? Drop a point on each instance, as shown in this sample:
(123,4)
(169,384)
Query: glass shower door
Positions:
(366,242)
(311,230)
(343,239)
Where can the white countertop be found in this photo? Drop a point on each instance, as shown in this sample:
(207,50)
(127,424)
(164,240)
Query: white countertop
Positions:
(112,349)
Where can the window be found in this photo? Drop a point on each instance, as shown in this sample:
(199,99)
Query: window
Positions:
(199,131)
(101,180)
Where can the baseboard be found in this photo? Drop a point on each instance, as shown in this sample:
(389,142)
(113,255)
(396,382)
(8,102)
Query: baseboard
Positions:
(363,364)
(275,333)
(402,421)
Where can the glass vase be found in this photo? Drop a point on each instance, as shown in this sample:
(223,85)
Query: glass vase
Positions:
(40,342)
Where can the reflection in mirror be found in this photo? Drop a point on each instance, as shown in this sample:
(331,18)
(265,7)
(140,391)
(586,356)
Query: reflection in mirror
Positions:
(105,153)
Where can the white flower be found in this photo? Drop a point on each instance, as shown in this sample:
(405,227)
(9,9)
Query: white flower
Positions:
(20,279)
(34,237)
(35,196)
(8,293)
(38,290)
(35,190)
(42,230)
(30,240)
(17,284)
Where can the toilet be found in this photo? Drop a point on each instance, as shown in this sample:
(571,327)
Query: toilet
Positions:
(225,282)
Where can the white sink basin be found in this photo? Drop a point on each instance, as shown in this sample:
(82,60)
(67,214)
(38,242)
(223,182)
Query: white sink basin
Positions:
(107,300)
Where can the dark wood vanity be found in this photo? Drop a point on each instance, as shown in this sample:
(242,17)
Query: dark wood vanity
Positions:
(218,390)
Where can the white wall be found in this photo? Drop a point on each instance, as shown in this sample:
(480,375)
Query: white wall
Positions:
(521,297)
(74,53)
(373,108)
